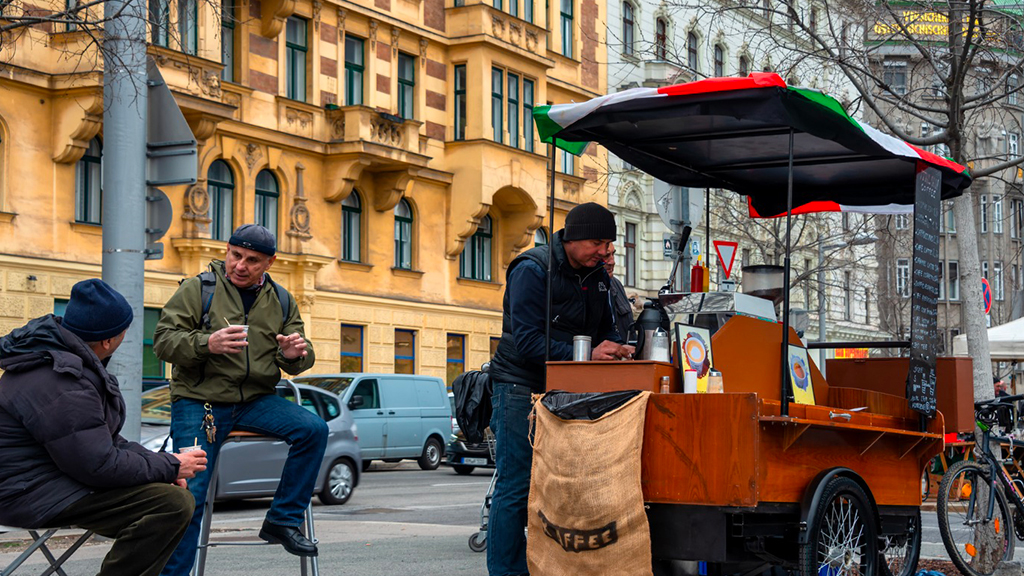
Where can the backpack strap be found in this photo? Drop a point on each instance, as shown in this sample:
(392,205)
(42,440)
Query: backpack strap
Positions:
(285,298)
(208,285)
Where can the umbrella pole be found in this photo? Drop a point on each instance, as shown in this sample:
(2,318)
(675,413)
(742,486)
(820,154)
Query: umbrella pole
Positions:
(784,406)
(551,258)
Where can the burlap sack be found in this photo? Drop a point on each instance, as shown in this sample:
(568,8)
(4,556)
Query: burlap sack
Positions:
(586,511)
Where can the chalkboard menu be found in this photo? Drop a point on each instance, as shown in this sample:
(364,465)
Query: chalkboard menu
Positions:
(925,278)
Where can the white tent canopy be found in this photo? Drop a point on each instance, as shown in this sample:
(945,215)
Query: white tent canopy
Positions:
(1006,342)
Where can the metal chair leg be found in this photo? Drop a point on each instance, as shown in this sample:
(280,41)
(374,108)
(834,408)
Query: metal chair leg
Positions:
(204,526)
(36,544)
(55,564)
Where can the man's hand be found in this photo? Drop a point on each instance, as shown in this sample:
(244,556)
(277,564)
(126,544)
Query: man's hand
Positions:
(191,462)
(292,346)
(609,350)
(181,483)
(230,340)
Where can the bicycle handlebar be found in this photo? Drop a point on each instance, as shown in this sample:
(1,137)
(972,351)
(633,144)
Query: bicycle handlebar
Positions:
(998,400)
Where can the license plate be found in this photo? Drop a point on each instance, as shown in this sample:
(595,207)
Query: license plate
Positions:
(475,461)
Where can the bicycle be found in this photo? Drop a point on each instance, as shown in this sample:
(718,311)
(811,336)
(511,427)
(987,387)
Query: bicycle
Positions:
(972,501)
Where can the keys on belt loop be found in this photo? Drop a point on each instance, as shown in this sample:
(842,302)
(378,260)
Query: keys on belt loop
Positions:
(208,424)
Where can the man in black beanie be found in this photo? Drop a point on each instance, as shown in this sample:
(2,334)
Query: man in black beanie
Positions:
(580,306)
(65,462)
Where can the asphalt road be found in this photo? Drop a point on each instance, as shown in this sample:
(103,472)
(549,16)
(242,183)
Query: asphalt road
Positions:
(400,520)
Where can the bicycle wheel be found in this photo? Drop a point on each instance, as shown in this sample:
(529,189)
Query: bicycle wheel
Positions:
(974,544)
(900,552)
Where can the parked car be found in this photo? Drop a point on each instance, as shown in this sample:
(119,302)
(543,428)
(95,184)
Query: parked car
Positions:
(464,457)
(399,415)
(253,469)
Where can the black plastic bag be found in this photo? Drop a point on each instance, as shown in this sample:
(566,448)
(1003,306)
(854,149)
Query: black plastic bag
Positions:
(585,406)
(473,404)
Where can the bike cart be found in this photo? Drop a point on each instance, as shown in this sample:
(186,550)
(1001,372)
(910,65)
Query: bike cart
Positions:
(749,478)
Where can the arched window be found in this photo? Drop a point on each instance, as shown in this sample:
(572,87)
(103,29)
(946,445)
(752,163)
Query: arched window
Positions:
(628,22)
(351,218)
(403,235)
(540,237)
(475,261)
(220,184)
(744,66)
(691,51)
(267,193)
(719,61)
(660,39)
(88,194)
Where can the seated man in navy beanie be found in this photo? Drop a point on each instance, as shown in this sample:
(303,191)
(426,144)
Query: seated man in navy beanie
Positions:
(65,463)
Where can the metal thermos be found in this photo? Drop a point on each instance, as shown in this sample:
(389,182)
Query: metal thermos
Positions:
(652,318)
(580,348)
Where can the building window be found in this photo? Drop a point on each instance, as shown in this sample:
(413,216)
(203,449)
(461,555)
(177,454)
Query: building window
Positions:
(351,348)
(152,367)
(405,351)
(351,235)
(630,245)
(1012,145)
(566,19)
(1014,278)
(568,163)
(460,102)
(296,46)
(187,26)
(528,115)
(513,110)
(950,220)
(902,221)
(528,10)
(267,194)
(984,213)
(903,277)
(159,22)
(497,101)
(456,361)
(513,8)
(540,237)
(660,39)
(691,51)
(744,66)
(997,280)
(1016,218)
(719,61)
(353,70)
(1012,85)
(847,299)
(867,306)
(475,261)
(88,177)
(894,76)
(997,214)
(403,235)
(984,270)
(406,84)
(942,280)
(71,7)
(227,41)
(220,184)
(627,28)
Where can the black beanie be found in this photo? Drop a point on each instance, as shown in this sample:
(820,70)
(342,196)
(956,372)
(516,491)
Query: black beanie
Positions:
(96,311)
(589,221)
(254,237)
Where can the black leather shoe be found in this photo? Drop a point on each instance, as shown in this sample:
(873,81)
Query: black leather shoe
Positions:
(289,537)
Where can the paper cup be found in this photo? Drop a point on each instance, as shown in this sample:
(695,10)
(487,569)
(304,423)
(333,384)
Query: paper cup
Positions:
(690,382)
(245,328)
(184,449)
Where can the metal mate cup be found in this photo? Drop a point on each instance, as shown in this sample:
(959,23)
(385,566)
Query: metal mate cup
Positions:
(580,348)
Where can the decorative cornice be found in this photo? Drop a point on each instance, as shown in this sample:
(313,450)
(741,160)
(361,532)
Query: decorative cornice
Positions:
(86,118)
(274,15)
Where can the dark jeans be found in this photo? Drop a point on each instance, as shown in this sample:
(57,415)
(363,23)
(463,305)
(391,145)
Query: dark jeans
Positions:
(146,522)
(305,433)
(506,539)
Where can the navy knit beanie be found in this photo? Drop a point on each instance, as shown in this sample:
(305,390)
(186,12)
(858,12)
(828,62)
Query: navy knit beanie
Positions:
(589,221)
(254,237)
(96,311)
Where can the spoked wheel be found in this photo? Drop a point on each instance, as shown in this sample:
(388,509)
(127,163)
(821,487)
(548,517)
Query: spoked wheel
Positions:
(974,543)
(900,551)
(843,539)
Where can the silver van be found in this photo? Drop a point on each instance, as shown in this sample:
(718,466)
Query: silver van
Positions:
(398,415)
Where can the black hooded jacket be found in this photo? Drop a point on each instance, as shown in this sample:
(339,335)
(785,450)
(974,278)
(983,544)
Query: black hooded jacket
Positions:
(579,306)
(60,418)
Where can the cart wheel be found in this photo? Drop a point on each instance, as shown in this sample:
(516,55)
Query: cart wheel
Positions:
(478,542)
(900,551)
(843,538)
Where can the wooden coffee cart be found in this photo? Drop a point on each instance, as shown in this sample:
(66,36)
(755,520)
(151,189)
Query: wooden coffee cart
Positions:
(748,478)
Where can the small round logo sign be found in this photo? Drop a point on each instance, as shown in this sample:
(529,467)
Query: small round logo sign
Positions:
(986,295)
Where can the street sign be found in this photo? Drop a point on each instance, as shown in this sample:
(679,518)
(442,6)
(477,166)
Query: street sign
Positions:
(695,247)
(678,206)
(670,245)
(170,145)
(726,254)
(986,294)
(158,220)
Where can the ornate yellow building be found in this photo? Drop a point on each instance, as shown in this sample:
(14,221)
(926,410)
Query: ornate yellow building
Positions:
(387,142)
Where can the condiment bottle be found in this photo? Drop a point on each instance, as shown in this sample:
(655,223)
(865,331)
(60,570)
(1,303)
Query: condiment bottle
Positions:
(665,388)
(697,277)
(715,382)
(660,345)
(707,278)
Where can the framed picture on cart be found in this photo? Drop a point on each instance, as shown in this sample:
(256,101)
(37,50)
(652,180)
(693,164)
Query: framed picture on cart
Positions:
(693,349)
(800,375)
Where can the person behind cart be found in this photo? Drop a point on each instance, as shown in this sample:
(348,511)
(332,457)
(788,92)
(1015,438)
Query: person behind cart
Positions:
(579,306)
(622,305)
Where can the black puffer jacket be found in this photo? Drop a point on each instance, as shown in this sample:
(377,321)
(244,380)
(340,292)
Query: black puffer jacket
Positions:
(60,418)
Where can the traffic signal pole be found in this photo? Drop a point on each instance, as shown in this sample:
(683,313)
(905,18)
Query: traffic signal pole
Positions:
(124,186)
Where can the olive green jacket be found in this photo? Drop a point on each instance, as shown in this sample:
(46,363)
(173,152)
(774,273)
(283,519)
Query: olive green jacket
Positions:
(226,378)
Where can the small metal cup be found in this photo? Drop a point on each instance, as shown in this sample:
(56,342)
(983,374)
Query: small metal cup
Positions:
(580,348)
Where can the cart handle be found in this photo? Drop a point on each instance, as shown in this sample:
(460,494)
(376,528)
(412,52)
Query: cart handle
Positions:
(834,415)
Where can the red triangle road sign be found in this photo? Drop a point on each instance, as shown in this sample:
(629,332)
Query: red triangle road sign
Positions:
(726,254)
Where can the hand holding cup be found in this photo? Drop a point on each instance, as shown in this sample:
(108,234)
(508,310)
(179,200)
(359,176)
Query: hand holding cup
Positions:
(230,340)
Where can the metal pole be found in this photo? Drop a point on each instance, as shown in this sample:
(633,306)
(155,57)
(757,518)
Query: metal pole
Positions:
(821,297)
(551,258)
(784,407)
(707,232)
(124,186)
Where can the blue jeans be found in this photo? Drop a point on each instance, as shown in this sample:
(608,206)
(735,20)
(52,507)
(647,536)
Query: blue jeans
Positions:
(506,540)
(305,433)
